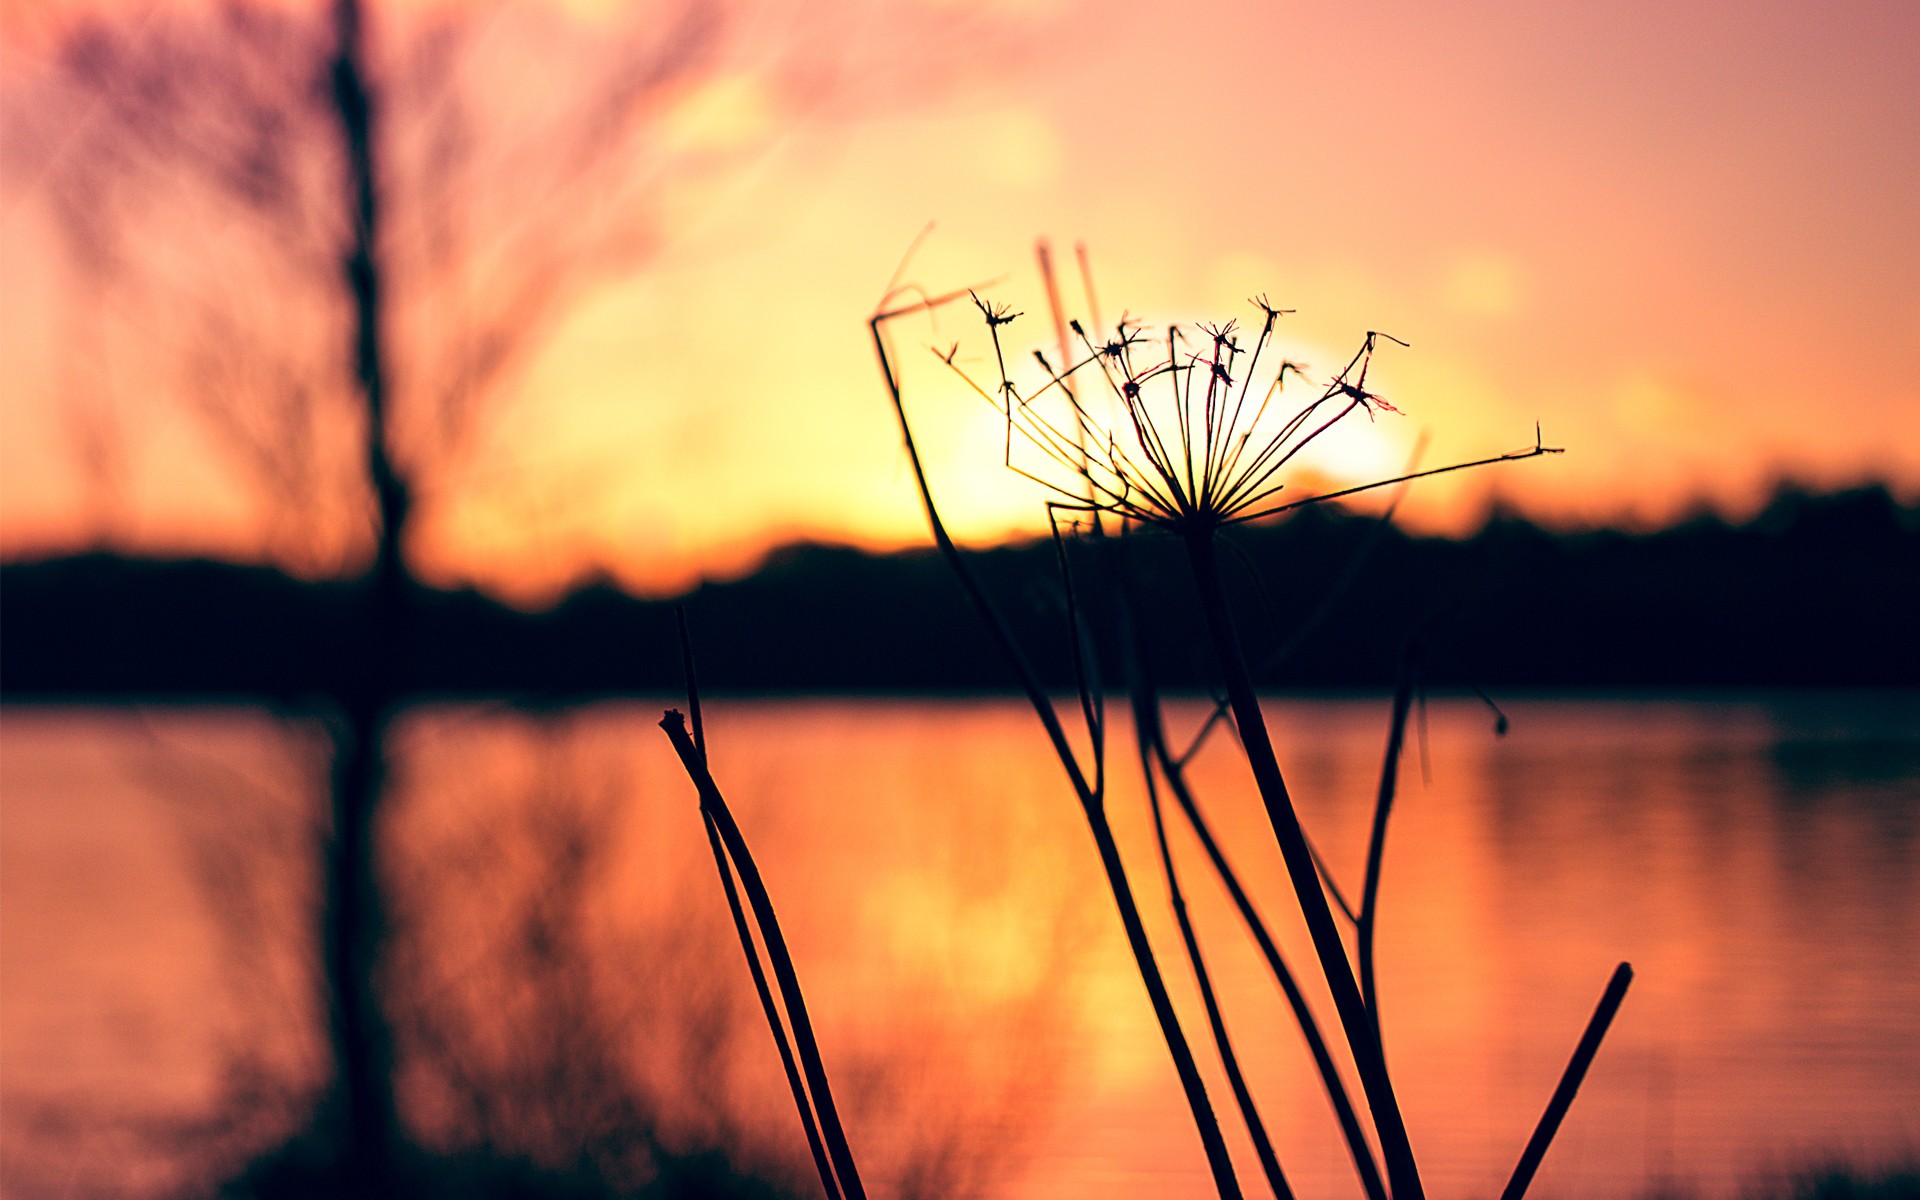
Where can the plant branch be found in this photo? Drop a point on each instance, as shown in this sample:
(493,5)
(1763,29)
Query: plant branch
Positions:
(1145,729)
(795,1083)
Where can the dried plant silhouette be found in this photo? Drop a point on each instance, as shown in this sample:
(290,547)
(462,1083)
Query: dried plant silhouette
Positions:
(1198,442)
(1089,787)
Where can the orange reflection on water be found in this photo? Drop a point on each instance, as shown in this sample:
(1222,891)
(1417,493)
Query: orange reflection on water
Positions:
(977,1006)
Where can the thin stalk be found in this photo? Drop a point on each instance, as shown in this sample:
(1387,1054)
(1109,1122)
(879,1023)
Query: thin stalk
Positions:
(787,1065)
(745,932)
(1092,805)
(1223,1043)
(1395,1148)
(801,1103)
(1336,1088)
(1570,1081)
(1332,885)
(1182,412)
(1151,736)
(1218,1161)
(1086,282)
(1368,917)
(1241,517)
(1044,252)
(976,595)
(1092,696)
(714,806)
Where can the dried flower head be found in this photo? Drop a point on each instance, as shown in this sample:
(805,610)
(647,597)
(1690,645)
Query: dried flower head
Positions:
(1198,440)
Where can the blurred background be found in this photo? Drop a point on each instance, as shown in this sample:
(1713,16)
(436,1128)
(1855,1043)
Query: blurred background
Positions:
(627,253)
(374,372)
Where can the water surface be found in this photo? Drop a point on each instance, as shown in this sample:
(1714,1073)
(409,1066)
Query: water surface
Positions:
(1753,857)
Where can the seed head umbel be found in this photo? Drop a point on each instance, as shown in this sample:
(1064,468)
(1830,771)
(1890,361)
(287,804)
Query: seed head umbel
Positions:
(1189,428)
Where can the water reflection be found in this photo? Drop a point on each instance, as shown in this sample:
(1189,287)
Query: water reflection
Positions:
(564,973)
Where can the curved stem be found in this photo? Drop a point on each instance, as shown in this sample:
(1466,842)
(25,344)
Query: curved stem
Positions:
(1369,914)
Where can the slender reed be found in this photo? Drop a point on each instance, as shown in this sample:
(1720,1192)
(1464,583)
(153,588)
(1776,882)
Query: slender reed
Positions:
(795,1084)
(789,1068)
(1570,1081)
(820,1092)
(838,1173)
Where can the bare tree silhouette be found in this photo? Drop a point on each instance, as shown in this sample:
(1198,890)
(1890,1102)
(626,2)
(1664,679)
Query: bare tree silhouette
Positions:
(340,231)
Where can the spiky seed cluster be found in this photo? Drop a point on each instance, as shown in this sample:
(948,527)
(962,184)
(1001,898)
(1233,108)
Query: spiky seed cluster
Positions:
(1191,448)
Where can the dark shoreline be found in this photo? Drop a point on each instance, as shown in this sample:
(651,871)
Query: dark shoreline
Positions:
(1818,591)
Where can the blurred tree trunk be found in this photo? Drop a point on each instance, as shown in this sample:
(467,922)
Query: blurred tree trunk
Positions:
(355,915)
(336,234)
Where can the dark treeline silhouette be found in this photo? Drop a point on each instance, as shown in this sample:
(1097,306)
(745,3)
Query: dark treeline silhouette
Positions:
(1817,590)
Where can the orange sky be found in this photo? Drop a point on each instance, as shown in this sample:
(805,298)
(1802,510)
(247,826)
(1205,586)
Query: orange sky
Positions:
(1680,236)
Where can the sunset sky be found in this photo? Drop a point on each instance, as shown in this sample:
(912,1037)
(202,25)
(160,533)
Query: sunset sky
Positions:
(1680,236)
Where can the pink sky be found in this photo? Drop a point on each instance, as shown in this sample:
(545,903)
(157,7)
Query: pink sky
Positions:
(1679,236)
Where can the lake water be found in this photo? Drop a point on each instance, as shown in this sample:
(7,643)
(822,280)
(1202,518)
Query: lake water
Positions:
(1756,858)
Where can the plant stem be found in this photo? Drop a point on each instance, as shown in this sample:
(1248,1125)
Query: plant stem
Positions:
(1368,917)
(1216,1022)
(1395,1149)
(1218,1160)
(787,1065)
(1569,1083)
(802,1103)
(1336,1089)
(1091,802)
(714,806)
